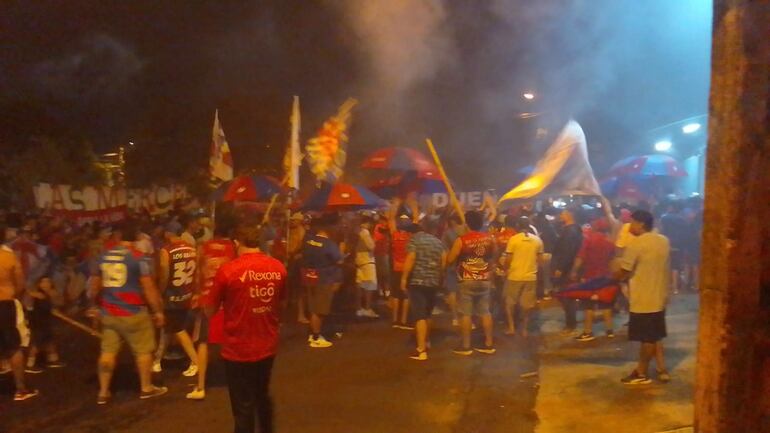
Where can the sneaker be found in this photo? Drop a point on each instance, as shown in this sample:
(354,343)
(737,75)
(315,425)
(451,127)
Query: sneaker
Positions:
(191,371)
(360,312)
(55,364)
(636,379)
(436,311)
(663,376)
(303,321)
(33,370)
(371,314)
(610,334)
(5,369)
(156,391)
(488,350)
(196,394)
(547,297)
(419,356)
(395,326)
(586,336)
(406,327)
(25,395)
(455,322)
(463,351)
(156,367)
(320,342)
(102,399)
(338,335)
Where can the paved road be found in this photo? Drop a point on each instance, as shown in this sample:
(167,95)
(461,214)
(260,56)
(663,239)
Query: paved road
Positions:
(365,383)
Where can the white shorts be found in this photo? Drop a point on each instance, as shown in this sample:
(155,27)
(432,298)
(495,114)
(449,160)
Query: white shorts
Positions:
(366,276)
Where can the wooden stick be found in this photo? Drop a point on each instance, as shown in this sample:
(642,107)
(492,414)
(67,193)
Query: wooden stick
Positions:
(76,324)
(448,186)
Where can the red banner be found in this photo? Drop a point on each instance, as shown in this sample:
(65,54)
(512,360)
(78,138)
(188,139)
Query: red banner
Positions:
(82,217)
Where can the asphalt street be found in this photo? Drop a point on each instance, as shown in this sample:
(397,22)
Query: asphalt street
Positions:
(364,383)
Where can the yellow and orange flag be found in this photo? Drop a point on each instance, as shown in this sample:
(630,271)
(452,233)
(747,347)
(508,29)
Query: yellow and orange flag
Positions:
(326,152)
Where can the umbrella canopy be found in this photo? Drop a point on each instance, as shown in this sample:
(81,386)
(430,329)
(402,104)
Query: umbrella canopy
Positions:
(400,185)
(648,165)
(342,197)
(249,188)
(632,187)
(399,158)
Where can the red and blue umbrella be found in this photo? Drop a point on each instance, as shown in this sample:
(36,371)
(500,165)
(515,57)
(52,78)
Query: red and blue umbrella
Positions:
(249,188)
(400,185)
(631,187)
(399,158)
(342,197)
(648,165)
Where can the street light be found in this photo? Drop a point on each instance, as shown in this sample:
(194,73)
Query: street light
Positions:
(663,146)
(529,96)
(691,128)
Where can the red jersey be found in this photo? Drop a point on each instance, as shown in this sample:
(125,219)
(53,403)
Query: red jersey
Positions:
(182,261)
(380,235)
(597,253)
(250,289)
(398,249)
(213,254)
(503,236)
(476,255)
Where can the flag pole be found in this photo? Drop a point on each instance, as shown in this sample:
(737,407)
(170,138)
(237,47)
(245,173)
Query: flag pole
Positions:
(452,196)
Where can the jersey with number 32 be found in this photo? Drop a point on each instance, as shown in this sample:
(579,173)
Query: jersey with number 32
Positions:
(182,259)
(120,269)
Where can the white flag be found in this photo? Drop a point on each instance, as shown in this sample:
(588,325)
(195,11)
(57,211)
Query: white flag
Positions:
(293,158)
(220,159)
(564,170)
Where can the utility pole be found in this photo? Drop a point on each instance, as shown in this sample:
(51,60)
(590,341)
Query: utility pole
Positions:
(733,370)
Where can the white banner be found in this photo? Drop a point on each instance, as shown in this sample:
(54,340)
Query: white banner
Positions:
(157,199)
(468,199)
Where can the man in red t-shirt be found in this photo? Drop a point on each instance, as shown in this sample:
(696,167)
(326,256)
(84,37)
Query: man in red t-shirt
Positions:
(250,289)
(212,254)
(594,259)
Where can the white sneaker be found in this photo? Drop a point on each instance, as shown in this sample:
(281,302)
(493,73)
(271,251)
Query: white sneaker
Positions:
(455,322)
(191,371)
(360,312)
(196,394)
(156,367)
(436,311)
(370,313)
(320,342)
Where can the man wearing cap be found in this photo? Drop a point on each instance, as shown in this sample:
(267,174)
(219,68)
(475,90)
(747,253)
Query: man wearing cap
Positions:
(421,279)
(646,266)
(366,269)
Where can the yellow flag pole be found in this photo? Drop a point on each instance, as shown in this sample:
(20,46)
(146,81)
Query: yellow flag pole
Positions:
(448,186)
(266,218)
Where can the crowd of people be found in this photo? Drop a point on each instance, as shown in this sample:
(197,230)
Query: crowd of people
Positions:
(192,280)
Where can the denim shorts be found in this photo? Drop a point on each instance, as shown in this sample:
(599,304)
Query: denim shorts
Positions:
(473,298)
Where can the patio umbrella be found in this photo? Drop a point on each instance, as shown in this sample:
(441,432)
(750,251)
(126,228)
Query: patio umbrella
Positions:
(399,158)
(341,197)
(400,185)
(648,165)
(632,187)
(249,188)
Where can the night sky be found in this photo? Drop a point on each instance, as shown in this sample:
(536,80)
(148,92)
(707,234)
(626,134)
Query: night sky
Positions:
(153,72)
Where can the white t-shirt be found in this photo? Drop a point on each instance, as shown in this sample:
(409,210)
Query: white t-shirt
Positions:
(647,258)
(524,249)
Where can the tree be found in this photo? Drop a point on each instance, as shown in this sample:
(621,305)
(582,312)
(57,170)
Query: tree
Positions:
(733,370)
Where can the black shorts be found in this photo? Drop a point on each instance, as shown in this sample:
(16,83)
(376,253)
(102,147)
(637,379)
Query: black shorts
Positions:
(647,327)
(395,286)
(200,326)
(176,320)
(10,334)
(422,299)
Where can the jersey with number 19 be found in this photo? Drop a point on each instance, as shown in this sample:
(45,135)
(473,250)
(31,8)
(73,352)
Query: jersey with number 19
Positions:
(120,269)
(182,259)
